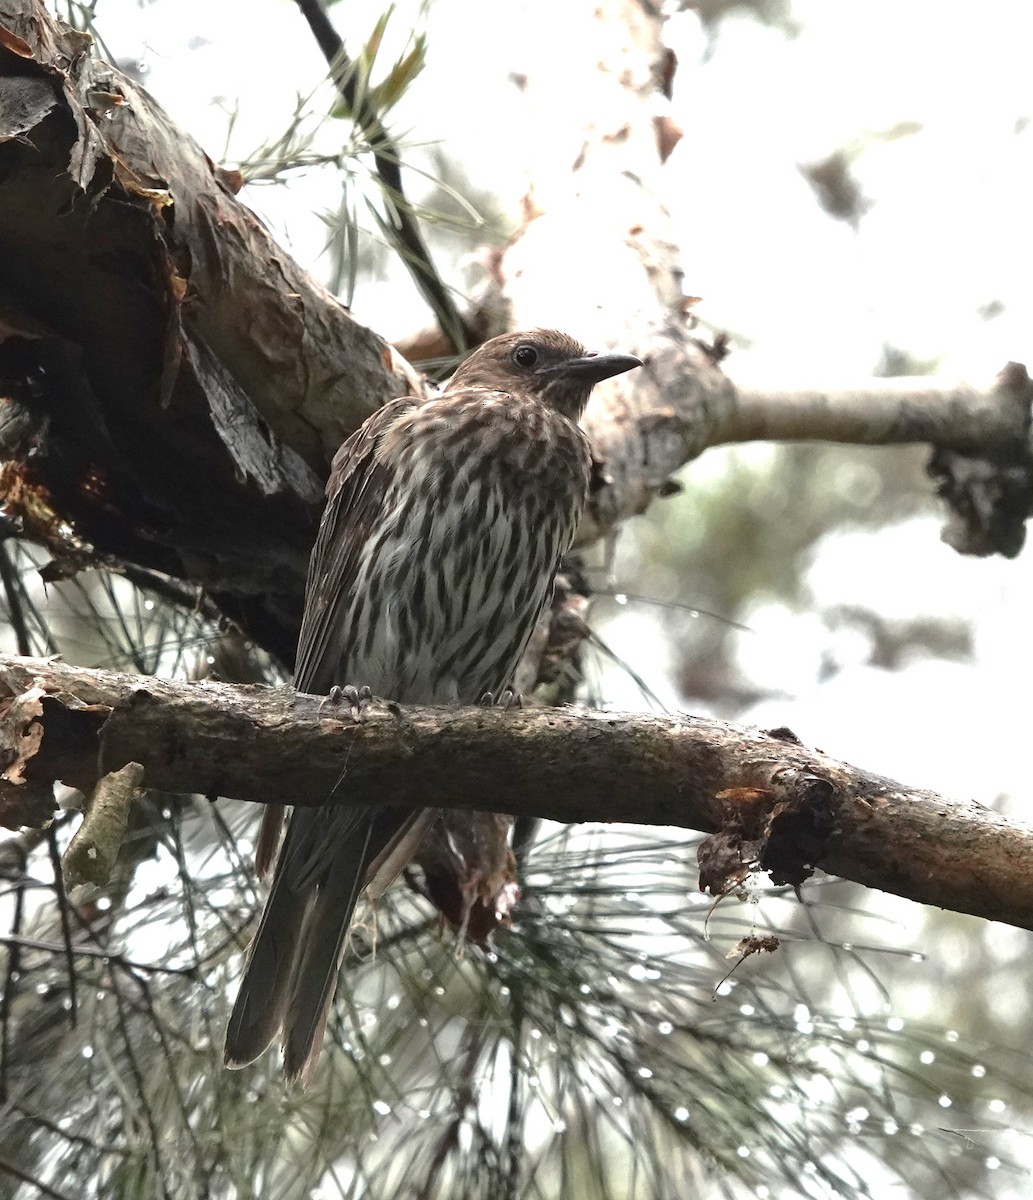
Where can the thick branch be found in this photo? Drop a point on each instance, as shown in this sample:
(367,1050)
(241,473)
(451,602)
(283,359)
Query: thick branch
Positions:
(173,382)
(769,801)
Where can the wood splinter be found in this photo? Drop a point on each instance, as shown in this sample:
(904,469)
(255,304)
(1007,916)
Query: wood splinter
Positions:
(92,852)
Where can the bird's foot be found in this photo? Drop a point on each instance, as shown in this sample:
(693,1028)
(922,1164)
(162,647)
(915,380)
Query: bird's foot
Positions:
(506,699)
(358,699)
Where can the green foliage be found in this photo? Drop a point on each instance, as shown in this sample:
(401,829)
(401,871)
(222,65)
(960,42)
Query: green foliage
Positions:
(383,96)
(594,1053)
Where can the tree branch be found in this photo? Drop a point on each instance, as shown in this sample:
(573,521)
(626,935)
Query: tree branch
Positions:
(884,412)
(623,288)
(178,382)
(768,802)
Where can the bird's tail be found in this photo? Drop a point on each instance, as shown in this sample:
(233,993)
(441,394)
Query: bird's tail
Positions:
(265,988)
(320,948)
(328,857)
(269,838)
(292,965)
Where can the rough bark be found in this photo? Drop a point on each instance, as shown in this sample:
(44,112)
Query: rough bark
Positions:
(768,802)
(177,383)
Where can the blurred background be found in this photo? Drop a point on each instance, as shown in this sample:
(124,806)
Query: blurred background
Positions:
(851,199)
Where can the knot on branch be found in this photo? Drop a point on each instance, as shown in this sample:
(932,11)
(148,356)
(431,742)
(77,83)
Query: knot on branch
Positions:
(989,501)
(799,827)
(782,829)
(989,491)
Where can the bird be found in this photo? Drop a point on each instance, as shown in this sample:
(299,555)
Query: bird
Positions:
(445,522)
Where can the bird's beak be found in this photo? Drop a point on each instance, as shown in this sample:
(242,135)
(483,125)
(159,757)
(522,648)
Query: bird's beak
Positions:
(593,368)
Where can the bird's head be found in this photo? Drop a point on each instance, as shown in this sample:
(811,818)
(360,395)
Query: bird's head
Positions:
(542,363)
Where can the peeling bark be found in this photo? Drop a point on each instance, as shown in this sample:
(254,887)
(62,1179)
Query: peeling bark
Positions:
(179,382)
(769,802)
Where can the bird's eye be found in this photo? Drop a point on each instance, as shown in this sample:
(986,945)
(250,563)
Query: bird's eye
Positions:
(525,356)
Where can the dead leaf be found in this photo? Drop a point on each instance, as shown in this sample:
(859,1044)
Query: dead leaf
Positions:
(23,802)
(725,863)
(92,852)
(754,944)
(21,734)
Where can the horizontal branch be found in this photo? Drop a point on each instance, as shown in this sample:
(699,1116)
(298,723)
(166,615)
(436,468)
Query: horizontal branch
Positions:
(884,412)
(767,801)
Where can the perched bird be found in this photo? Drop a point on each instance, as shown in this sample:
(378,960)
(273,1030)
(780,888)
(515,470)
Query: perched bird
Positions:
(444,525)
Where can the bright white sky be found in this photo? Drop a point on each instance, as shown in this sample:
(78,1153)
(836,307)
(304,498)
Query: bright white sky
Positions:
(948,231)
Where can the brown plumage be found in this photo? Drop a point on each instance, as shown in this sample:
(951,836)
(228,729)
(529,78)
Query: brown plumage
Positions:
(445,522)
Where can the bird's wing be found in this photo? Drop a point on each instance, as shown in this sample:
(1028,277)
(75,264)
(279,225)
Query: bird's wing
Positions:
(358,481)
(328,854)
(354,493)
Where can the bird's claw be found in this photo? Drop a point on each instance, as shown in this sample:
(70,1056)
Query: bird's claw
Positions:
(505,700)
(358,699)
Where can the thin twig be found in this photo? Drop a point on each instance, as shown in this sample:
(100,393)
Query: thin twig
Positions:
(13,966)
(175,591)
(137,1075)
(106,956)
(401,228)
(15,612)
(16,1172)
(63,905)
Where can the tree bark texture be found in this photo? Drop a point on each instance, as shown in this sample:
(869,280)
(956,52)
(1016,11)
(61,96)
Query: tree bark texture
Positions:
(179,383)
(767,802)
